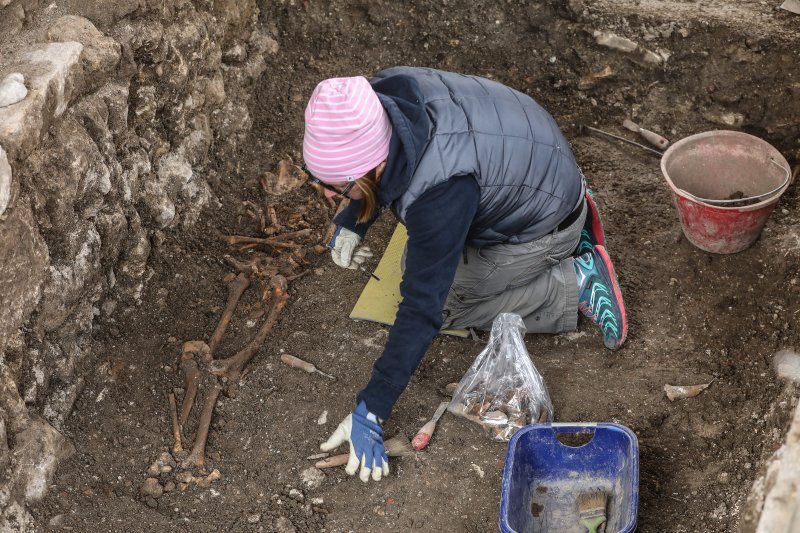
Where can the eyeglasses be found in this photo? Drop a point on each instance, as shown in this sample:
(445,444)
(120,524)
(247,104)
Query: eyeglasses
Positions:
(317,181)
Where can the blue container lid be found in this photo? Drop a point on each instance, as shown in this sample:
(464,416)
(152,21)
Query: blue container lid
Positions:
(543,477)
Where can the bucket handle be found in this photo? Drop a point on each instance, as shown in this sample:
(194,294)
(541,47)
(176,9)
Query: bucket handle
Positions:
(770,193)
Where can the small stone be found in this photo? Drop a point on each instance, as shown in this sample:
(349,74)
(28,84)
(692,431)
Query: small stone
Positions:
(296,494)
(151,487)
(253,518)
(323,418)
(169,486)
(312,477)
(787,365)
(284,525)
(724,477)
(151,502)
(478,470)
(12,89)
(153,470)
(317,501)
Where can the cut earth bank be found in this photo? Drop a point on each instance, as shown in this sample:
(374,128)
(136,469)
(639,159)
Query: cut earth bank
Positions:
(152,281)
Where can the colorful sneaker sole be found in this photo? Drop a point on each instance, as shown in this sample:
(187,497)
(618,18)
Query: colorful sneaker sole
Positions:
(608,266)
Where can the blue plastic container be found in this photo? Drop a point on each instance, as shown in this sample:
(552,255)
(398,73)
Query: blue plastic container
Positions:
(543,477)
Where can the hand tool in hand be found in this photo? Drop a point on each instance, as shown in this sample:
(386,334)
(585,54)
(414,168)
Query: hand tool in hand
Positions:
(302,365)
(362,430)
(397,446)
(423,436)
(583,127)
(650,136)
(346,253)
(592,510)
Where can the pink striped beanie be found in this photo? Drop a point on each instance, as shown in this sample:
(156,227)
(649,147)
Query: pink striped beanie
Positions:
(347,130)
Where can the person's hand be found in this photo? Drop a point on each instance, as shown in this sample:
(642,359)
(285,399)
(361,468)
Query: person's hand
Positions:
(345,251)
(363,431)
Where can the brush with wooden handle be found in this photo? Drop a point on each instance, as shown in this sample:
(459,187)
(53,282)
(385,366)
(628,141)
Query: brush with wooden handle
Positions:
(423,436)
(296,362)
(592,510)
(395,447)
(650,136)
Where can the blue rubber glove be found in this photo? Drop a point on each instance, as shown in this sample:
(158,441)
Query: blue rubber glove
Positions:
(365,435)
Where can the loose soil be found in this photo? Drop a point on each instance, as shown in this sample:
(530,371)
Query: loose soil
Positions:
(694,318)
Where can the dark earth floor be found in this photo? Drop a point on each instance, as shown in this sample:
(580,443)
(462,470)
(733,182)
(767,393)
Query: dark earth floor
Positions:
(694,318)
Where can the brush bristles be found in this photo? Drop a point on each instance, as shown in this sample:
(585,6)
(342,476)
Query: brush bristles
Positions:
(592,503)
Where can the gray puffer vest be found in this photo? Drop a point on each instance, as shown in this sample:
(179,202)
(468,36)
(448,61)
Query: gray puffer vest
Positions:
(529,181)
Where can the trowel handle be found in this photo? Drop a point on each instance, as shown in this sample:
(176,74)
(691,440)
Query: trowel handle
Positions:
(654,138)
(423,436)
(297,362)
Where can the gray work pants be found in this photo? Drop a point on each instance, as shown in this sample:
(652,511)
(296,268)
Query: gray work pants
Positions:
(535,280)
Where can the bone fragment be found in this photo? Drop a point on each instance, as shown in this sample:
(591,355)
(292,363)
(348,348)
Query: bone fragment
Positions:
(209,479)
(176,427)
(191,374)
(398,446)
(198,455)
(678,392)
(235,290)
(275,243)
(231,368)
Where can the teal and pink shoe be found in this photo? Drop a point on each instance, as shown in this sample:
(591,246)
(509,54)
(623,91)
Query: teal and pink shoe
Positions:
(599,295)
(592,234)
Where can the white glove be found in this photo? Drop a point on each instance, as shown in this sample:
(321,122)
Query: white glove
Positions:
(345,251)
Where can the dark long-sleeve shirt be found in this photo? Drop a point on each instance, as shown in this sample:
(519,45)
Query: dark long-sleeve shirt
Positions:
(437,226)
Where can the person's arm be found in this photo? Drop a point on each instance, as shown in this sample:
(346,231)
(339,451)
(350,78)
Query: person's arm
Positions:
(348,217)
(438,223)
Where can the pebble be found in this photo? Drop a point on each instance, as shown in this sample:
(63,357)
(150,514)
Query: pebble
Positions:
(151,487)
(787,365)
(312,477)
(169,486)
(253,518)
(284,525)
(478,470)
(323,418)
(296,494)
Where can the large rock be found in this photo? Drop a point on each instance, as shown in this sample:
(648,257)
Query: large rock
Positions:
(36,453)
(5,181)
(23,265)
(100,53)
(48,70)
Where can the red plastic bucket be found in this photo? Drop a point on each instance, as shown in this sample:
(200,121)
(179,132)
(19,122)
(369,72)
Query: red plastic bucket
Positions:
(711,175)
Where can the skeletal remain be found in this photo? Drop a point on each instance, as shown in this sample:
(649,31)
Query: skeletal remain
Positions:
(231,368)
(197,457)
(235,290)
(678,392)
(176,427)
(273,242)
(191,376)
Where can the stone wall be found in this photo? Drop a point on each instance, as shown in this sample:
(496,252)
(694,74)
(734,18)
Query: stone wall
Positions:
(125,100)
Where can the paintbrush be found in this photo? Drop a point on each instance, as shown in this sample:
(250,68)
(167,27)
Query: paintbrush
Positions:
(425,433)
(592,510)
(397,446)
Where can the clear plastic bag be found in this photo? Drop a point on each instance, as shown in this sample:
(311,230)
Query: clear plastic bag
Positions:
(502,390)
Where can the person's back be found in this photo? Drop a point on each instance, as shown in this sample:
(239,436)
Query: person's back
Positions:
(514,149)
